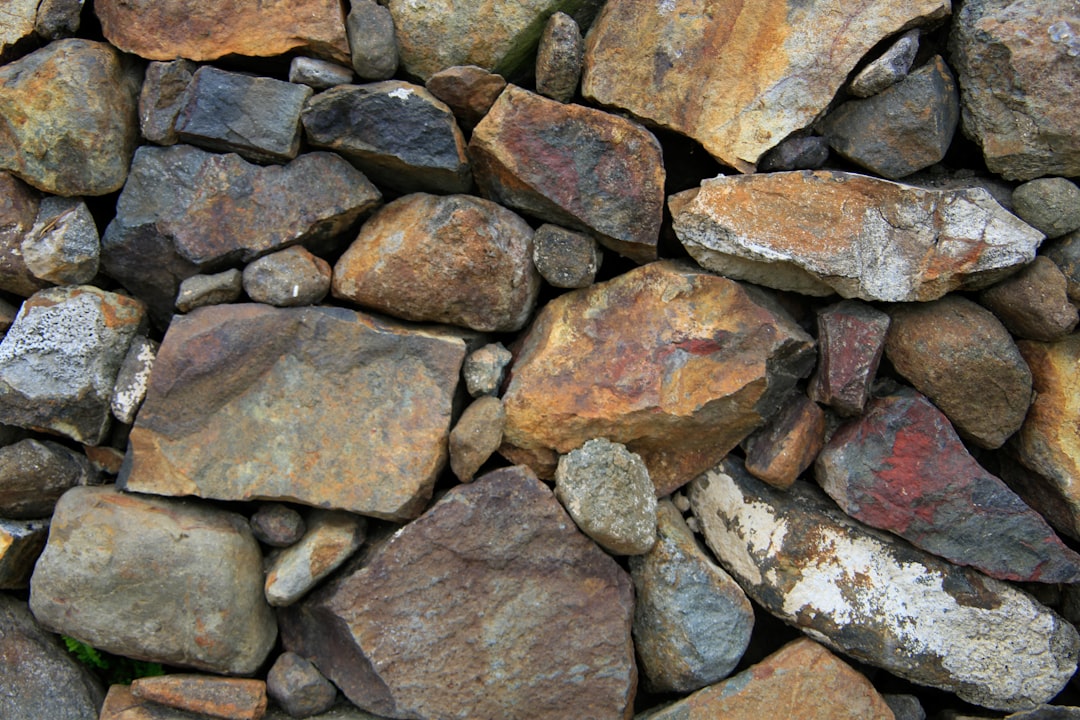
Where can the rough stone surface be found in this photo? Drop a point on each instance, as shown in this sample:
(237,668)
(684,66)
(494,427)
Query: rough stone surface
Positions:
(217,289)
(132,379)
(331,537)
(318,74)
(287,278)
(1034,303)
(1050,205)
(277,525)
(566,259)
(185,211)
(559,57)
(1016,64)
(18,24)
(21,542)
(331,386)
(822,232)
(161,98)
(476,436)
(675,363)
(398,133)
(901,130)
(800,681)
(468,90)
(1065,252)
(257,117)
(58,18)
(904,706)
(35,473)
(218,697)
(902,468)
(692,622)
(100,539)
(737,78)
(808,152)
(573,166)
(63,247)
(40,680)
(779,452)
(961,357)
(19,205)
(370,28)
(59,360)
(68,122)
(121,704)
(607,491)
(474,609)
(298,686)
(851,340)
(1046,712)
(881,601)
(484,369)
(197,31)
(888,69)
(453,259)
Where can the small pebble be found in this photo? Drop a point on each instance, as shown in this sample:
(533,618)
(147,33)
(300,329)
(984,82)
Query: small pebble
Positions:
(199,290)
(288,278)
(63,247)
(372,40)
(798,153)
(559,57)
(1050,205)
(277,525)
(483,369)
(318,74)
(476,436)
(564,258)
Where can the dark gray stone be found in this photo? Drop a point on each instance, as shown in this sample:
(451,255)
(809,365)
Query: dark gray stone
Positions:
(808,152)
(566,259)
(1050,205)
(277,525)
(905,707)
(58,18)
(63,247)
(318,74)
(372,40)
(298,686)
(559,57)
(35,473)
(219,288)
(161,98)
(288,278)
(21,542)
(889,69)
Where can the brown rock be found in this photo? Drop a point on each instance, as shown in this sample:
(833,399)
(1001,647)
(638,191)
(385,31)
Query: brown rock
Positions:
(573,166)
(675,363)
(1065,252)
(228,698)
(170,29)
(308,416)
(566,259)
(35,473)
(476,436)
(962,358)
(299,687)
(121,704)
(491,603)
(851,340)
(453,259)
(468,90)
(736,77)
(287,278)
(559,57)
(21,542)
(19,205)
(217,289)
(332,537)
(800,681)
(1034,303)
(779,452)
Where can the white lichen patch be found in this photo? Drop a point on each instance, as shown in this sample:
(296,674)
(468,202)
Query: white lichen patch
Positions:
(401,94)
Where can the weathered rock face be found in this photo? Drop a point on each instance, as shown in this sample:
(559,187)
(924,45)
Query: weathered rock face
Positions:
(997,45)
(231,698)
(888,69)
(19,17)
(68,122)
(63,247)
(161,98)
(34,474)
(882,601)
(572,166)
(851,340)
(306,417)
(779,452)
(19,204)
(737,78)
(204,607)
(168,29)
(331,537)
(675,363)
(468,90)
(21,542)
(828,231)
(547,627)
(1034,303)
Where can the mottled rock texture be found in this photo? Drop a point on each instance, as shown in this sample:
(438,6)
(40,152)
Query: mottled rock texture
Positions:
(19,204)
(217,697)
(851,341)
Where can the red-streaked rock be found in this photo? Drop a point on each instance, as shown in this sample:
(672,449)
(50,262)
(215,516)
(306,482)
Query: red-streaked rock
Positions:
(737,77)
(829,231)
(880,600)
(170,29)
(800,681)
(573,166)
(219,697)
(851,340)
(329,407)
(902,468)
(491,604)
(779,452)
(677,364)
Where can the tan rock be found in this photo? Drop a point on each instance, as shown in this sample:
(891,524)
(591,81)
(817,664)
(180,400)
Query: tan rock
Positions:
(218,697)
(476,436)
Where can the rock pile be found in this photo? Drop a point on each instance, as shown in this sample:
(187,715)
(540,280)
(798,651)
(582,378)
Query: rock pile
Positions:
(568,359)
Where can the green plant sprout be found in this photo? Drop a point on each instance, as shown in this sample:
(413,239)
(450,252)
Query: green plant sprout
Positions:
(112,669)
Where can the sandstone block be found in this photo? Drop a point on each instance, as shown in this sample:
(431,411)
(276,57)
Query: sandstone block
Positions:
(484,369)
(217,289)
(318,74)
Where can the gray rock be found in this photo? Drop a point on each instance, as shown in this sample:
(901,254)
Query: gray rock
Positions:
(888,69)
(808,152)
(484,369)
(1047,712)
(566,259)
(330,539)
(469,91)
(288,278)
(692,622)
(298,686)
(21,542)
(59,360)
(1034,303)
(1050,205)
(257,117)
(559,57)
(217,289)
(904,707)
(318,74)
(18,25)
(63,247)
(277,525)
(19,205)
(370,28)
(133,379)
(607,491)
(1065,253)
(397,133)
(35,473)
(476,436)
(161,98)
(40,680)
(58,18)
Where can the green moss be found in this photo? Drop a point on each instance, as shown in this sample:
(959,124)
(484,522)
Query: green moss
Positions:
(112,669)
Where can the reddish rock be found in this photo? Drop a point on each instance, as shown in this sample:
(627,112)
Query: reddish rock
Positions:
(851,340)
(1034,303)
(170,29)
(573,166)
(779,452)
(19,205)
(677,364)
(329,407)
(468,90)
(491,604)
(219,697)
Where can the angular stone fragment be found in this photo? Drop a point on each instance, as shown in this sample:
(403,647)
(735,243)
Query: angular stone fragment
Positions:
(904,706)
(1065,252)
(184,211)
(468,90)
(904,128)
(398,133)
(169,29)
(796,153)
(318,74)
(902,468)
(1034,303)
(476,436)
(218,697)
(1050,205)
(566,259)
(492,601)
(1015,61)
(779,452)
(738,78)
(453,259)
(132,379)
(889,69)
(675,363)
(827,231)
(217,289)
(21,542)
(331,537)
(559,57)
(881,601)
(370,28)
(484,369)
(63,247)
(204,608)
(35,473)
(19,205)
(800,681)
(851,340)
(358,409)
(277,525)
(961,357)
(298,686)
(161,98)
(59,360)
(287,278)
(68,113)
(257,117)
(121,704)
(573,166)
(692,622)
(58,18)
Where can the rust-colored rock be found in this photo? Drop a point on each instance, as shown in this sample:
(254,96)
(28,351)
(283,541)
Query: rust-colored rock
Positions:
(677,364)
(737,77)
(573,166)
(476,436)
(219,697)
(192,29)
(318,405)
(779,452)
(19,205)
(1034,303)
(851,341)
(469,91)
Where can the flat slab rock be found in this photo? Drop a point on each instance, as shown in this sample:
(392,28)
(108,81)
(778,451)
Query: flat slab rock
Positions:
(878,599)
(317,405)
(822,232)
(490,605)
